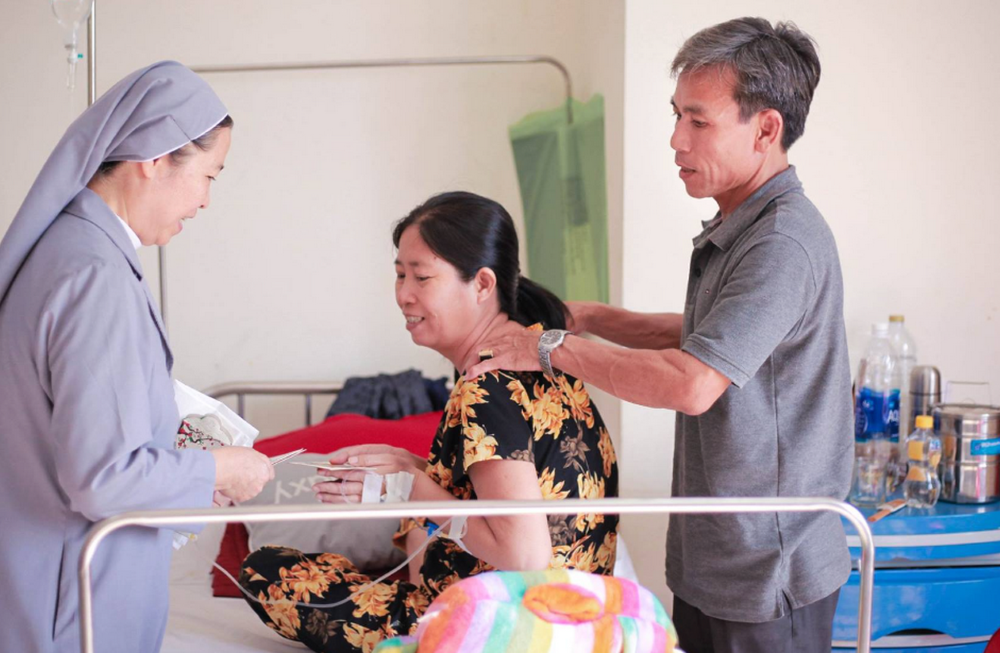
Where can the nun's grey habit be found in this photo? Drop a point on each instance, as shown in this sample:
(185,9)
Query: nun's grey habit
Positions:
(87,412)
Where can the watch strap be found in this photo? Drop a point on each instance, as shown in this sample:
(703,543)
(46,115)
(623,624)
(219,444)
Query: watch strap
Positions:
(548,343)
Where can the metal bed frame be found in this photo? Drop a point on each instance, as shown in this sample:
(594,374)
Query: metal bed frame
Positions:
(307,389)
(241,389)
(163,518)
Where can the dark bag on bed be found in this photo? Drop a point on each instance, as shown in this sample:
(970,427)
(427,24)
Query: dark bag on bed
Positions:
(390,396)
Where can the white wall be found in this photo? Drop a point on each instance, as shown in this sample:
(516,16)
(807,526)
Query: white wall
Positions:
(899,154)
(288,275)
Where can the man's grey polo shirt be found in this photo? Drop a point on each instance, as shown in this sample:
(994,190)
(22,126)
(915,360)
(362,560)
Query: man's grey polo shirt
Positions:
(765,308)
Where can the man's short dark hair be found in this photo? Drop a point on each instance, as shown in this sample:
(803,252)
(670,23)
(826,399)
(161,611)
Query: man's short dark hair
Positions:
(776,67)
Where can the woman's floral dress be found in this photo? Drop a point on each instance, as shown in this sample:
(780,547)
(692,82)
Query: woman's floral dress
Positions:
(499,416)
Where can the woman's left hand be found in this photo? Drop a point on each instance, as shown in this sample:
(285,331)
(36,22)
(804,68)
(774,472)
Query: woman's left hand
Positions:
(380,459)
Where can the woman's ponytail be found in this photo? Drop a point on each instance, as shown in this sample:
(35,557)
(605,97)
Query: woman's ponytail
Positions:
(536,304)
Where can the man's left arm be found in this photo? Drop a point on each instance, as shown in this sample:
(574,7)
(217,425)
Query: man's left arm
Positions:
(761,303)
(668,378)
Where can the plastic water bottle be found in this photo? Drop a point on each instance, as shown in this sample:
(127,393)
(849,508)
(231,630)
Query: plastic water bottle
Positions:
(906,356)
(923,451)
(896,466)
(872,419)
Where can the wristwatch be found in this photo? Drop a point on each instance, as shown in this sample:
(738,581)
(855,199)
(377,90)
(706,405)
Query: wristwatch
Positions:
(547,344)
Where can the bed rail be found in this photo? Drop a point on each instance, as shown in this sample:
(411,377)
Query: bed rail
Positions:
(161,518)
(305,388)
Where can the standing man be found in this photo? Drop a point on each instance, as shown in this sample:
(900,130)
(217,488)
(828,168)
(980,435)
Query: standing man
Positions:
(756,367)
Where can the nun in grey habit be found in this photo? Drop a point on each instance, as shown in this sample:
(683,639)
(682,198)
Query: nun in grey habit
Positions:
(87,412)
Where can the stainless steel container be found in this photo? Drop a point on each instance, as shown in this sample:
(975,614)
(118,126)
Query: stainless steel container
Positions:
(925,393)
(970,443)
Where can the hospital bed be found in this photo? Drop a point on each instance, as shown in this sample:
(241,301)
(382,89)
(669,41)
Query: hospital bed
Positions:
(200,622)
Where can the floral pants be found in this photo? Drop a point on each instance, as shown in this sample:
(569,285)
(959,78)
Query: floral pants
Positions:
(286,576)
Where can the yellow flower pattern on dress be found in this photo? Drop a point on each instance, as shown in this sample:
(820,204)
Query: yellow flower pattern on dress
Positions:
(336,561)
(301,582)
(582,557)
(439,474)
(590,487)
(460,404)
(548,411)
(371,599)
(478,445)
(560,556)
(520,396)
(550,489)
(579,556)
(607,450)
(362,638)
(606,553)
(526,417)
(253,575)
(417,601)
(283,613)
(578,400)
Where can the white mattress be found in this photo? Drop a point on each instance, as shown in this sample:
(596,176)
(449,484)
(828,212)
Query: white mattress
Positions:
(200,622)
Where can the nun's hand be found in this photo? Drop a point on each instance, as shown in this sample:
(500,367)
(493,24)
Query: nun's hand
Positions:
(240,472)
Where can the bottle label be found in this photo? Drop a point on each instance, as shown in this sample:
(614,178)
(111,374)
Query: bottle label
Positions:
(871,415)
(985,447)
(892,416)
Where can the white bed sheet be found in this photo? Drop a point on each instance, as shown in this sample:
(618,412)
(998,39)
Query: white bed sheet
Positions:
(199,621)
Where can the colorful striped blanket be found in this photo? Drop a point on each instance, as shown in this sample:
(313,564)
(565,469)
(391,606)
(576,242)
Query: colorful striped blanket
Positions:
(540,612)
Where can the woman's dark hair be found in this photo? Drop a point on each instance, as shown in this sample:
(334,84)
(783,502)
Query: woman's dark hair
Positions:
(473,232)
(178,156)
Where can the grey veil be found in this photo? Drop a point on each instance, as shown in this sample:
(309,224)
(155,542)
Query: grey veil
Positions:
(151,112)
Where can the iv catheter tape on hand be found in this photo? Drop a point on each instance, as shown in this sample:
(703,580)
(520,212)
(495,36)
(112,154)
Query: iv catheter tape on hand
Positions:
(372,491)
(398,487)
(458,529)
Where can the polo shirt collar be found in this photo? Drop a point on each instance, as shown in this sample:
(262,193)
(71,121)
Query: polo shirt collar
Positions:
(723,233)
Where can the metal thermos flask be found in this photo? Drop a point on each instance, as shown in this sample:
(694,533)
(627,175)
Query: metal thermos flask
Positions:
(925,392)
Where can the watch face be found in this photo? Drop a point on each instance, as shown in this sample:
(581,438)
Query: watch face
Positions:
(550,338)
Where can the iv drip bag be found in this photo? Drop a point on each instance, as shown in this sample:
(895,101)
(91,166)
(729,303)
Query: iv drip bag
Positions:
(71,14)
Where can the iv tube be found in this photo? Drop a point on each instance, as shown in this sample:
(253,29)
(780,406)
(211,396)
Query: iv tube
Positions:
(71,14)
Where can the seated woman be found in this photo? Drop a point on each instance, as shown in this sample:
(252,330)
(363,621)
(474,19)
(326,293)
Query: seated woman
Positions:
(504,435)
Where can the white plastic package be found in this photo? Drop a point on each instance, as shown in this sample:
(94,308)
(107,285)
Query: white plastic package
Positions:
(207,423)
